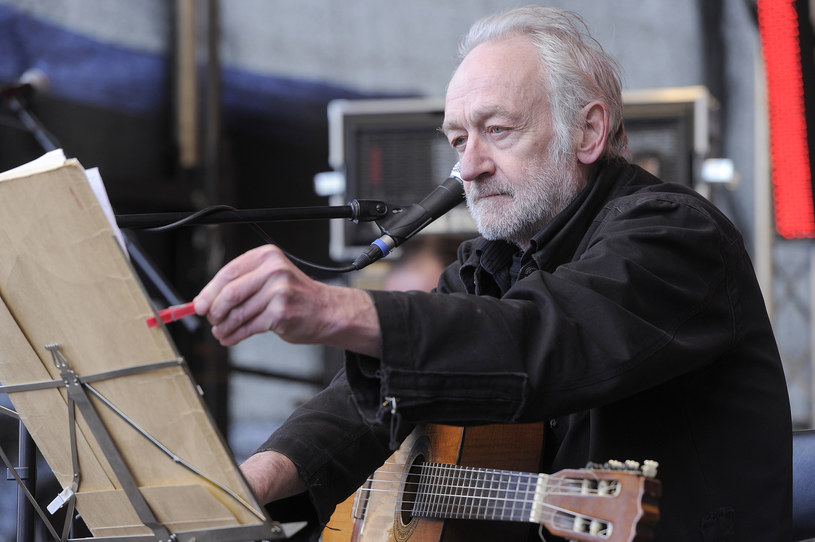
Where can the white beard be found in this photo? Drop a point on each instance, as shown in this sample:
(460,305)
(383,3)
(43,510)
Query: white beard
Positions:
(549,185)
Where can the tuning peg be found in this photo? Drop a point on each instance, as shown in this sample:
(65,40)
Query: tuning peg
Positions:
(632,465)
(649,468)
(614,464)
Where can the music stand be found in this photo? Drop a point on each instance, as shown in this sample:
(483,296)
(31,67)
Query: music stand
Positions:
(108,401)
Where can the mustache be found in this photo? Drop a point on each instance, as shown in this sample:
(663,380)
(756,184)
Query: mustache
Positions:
(484,190)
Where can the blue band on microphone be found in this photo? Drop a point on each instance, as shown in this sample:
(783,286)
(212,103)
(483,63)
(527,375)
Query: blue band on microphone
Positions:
(382,247)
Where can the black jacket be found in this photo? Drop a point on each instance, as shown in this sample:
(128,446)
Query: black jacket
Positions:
(635,327)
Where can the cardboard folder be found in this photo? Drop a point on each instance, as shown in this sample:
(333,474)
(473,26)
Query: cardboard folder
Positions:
(66,281)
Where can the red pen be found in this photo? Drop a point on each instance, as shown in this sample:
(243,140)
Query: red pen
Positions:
(171,314)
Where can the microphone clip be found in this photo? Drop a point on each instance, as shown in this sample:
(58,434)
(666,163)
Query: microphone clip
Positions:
(367,210)
(396,225)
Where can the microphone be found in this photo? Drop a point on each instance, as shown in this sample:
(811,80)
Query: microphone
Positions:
(32,81)
(404,223)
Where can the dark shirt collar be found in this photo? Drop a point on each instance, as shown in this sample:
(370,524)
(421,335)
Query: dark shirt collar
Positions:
(496,259)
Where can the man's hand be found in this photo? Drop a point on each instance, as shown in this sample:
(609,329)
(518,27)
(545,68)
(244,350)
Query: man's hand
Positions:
(272,476)
(262,290)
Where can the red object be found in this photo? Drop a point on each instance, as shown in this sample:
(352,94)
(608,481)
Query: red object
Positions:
(789,152)
(171,314)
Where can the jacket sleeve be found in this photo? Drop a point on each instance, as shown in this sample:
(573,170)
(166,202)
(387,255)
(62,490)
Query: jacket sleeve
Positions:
(650,293)
(333,448)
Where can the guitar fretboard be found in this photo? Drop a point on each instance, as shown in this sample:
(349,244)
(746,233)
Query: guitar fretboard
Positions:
(450,491)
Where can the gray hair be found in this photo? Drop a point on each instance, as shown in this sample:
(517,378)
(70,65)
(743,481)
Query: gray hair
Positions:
(578,70)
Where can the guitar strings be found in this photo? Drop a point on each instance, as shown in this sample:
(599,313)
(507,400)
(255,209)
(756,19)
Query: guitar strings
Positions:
(553,485)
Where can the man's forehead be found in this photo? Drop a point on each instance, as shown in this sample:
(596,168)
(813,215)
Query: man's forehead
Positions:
(501,102)
(494,76)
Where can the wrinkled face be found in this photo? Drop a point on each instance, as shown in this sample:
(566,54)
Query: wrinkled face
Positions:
(497,118)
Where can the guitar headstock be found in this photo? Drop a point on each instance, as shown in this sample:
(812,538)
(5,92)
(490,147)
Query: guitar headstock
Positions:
(614,502)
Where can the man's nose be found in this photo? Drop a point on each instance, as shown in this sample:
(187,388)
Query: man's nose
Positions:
(476,160)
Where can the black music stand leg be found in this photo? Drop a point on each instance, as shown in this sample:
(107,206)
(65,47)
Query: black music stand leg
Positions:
(33,125)
(27,469)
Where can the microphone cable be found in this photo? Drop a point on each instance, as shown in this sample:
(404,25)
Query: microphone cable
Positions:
(258,230)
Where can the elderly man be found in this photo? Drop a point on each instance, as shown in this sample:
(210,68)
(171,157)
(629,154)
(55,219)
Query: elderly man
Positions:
(620,310)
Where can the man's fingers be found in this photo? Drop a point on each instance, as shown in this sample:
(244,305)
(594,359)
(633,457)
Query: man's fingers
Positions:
(247,314)
(236,282)
(232,336)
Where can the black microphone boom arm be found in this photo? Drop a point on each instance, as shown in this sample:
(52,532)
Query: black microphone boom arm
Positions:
(357,210)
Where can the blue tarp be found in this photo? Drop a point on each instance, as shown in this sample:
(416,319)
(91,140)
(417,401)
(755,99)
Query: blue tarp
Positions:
(81,69)
(106,75)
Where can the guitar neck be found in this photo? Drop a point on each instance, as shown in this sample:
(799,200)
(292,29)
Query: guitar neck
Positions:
(456,492)
(579,504)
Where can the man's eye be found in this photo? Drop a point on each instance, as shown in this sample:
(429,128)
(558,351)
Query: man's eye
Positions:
(457,142)
(496,130)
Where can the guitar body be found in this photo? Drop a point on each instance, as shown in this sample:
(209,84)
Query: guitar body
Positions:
(511,447)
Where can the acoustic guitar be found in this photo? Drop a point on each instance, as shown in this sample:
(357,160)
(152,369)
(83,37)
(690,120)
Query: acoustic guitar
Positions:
(442,477)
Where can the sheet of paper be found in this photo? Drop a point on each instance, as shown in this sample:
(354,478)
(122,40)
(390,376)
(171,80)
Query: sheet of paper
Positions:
(98,187)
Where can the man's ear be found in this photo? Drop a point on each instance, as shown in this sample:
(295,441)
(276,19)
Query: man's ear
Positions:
(595,133)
